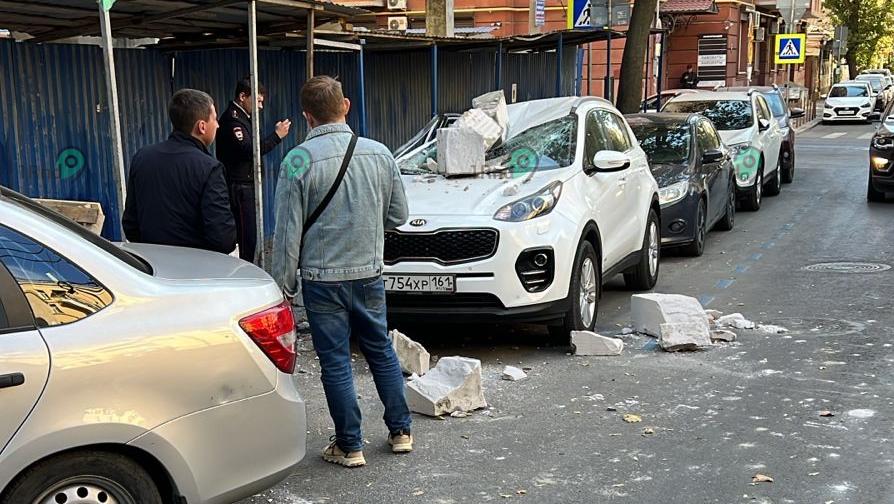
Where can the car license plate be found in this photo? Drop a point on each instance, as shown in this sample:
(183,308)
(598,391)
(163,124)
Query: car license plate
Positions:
(420,283)
(848,112)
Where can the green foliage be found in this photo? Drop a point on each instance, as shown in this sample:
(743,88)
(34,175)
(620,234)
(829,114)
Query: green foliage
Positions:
(869,22)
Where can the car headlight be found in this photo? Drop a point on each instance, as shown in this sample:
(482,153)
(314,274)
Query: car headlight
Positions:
(883,143)
(540,203)
(736,149)
(673,193)
(866,105)
(827,106)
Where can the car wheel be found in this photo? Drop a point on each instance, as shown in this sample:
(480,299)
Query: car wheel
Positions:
(789,174)
(729,218)
(753,200)
(697,247)
(91,477)
(583,296)
(774,185)
(644,275)
(872,194)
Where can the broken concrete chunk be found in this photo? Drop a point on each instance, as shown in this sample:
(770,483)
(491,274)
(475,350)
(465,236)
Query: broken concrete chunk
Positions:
(590,343)
(512,373)
(460,152)
(713,314)
(494,105)
(725,336)
(771,329)
(650,311)
(683,336)
(453,385)
(627,330)
(479,122)
(413,357)
(736,320)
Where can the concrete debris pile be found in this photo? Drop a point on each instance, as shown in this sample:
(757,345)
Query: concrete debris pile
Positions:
(590,343)
(462,146)
(413,357)
(734,320)
(453,385)
(512,373)
(679,322)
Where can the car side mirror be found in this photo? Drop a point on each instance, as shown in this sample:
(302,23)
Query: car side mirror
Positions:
(796,113)
(611,161)
(763,124)
(824,96)
(712,156)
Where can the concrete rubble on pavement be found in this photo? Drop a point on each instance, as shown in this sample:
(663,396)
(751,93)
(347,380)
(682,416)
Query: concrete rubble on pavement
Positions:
(512,373)
(590,343)
(683,336)
(453,385)
(722,335)
(413,357)
(771,329)
(735,320)
(650,311)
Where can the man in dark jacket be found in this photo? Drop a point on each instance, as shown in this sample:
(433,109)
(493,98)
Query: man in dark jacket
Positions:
(234,150)
(689,80)
(176,191)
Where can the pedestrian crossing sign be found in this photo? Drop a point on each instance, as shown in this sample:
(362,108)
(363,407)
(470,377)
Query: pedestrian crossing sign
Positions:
(790,48)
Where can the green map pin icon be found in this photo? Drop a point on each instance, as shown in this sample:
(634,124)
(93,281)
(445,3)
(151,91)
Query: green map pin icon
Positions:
(297,162)
(523,161)
(69,163)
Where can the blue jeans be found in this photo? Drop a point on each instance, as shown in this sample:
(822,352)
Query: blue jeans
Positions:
(335,311)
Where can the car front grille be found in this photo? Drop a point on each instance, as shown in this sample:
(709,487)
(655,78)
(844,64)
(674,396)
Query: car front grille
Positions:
(839,110)
(448,246)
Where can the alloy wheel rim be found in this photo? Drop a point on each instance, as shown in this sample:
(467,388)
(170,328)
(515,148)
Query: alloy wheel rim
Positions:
(731,205)
(587,294)
(653,249)
(759,186)
(85,490)
(700,234)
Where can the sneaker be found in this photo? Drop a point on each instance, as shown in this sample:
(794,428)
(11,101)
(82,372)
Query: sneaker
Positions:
(401,442)
(336,455)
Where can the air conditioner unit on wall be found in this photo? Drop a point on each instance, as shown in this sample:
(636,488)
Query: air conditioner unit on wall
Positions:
(760,34)
(397,23)
(397,5)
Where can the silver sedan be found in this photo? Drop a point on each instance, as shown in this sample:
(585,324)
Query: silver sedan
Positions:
(138,374)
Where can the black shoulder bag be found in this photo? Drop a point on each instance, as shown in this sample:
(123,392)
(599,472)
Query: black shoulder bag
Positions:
(332,190)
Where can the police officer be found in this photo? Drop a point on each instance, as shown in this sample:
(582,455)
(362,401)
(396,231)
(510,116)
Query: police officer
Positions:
(234,150)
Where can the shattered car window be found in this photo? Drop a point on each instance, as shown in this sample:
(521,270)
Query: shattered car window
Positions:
(664,143)
(725,114)
(553,143)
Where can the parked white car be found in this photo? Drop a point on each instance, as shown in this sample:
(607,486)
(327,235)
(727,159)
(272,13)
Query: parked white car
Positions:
(849,101)
(568,202)
(746,125)
(144,375)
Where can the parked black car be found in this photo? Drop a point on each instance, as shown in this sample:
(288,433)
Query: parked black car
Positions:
(695,175)
(881,158)
(784,115)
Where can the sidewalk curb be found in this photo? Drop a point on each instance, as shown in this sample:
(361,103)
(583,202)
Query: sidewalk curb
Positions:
(805,127)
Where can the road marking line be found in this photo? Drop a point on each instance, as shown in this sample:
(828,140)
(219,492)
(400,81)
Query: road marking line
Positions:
(768,245)
(705,300)
(725,283)
(837,134)
(742,268)
(865,136)
(756,257)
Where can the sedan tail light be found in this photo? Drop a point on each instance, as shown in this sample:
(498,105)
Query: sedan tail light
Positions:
(273,330)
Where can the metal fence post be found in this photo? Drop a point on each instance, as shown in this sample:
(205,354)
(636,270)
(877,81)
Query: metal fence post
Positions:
(261,252)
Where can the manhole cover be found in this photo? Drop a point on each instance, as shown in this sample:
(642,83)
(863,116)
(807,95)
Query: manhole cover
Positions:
(848,267)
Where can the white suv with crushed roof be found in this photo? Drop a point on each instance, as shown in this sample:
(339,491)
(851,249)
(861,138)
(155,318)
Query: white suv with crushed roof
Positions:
(565,203)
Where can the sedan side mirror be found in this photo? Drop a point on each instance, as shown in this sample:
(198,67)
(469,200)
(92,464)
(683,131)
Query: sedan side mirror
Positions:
(611,161)
(712,156)
(763,124)
(797,112)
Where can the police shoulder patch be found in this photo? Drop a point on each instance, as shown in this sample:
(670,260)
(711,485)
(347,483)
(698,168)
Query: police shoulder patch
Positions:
(238,133)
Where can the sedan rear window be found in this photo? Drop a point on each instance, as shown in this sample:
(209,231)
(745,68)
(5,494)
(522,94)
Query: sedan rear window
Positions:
(725,114)
(76,229)
(848,91)
(663,142)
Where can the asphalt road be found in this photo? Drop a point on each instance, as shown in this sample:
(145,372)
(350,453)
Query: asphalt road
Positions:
(719,417)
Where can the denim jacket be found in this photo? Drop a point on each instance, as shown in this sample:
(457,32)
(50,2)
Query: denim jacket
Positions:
(347,241)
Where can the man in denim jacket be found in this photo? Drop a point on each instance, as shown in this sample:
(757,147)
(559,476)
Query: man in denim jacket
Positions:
(340,264)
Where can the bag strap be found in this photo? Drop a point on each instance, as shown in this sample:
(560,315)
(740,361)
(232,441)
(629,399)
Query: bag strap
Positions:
(332,190)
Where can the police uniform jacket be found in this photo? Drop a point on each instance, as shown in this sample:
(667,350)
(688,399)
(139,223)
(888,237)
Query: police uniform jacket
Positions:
(234,148)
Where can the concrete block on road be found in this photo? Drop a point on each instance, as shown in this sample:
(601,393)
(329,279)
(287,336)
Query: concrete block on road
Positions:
(453,385)
(735,320)
(650,311)
(590,343)
(725,336)
(512,373)
(683,336)
(413,357)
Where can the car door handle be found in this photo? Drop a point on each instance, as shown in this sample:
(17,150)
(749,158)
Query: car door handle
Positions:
(11,380)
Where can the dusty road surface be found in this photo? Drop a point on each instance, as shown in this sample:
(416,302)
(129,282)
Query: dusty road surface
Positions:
(719,417)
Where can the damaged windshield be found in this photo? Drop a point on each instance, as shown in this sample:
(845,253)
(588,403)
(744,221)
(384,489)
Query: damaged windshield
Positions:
(553,144)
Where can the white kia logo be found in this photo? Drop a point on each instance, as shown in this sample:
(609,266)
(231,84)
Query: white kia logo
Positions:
(417,222)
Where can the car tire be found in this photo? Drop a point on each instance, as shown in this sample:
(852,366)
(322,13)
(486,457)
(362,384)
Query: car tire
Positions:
(75,476)
(644,275)
(697,246)
(585,288)
(729,218)
(788,175)
(752,200)
(872,194)
(774,185)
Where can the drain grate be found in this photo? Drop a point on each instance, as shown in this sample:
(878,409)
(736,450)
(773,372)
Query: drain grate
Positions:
(848,267)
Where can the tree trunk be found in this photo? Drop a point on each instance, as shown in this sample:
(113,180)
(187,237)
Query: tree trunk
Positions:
(630,87)
(851,58)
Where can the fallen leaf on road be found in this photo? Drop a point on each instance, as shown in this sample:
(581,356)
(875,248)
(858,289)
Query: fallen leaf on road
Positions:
(648,430)
(631,418)
(761,478)
(826,414)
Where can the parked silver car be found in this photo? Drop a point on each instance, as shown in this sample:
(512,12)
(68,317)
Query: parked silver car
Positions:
(138,374)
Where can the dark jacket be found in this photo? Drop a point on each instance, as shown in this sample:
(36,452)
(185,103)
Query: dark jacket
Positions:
(234,144)
(177,195)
